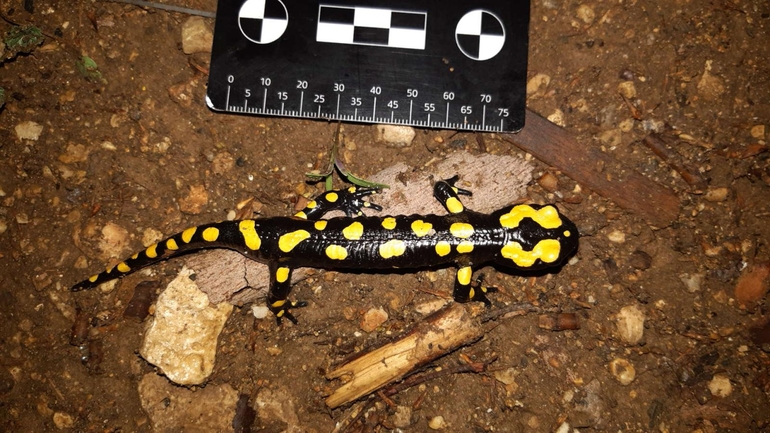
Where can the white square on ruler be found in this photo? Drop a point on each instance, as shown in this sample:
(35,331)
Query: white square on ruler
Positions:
(407,38)
(253,9)
(371,17)
(335,33)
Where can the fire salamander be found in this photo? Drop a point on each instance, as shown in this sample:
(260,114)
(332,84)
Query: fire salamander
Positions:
(523,237)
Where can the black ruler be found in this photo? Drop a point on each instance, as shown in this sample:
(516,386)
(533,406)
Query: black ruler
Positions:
(438,64)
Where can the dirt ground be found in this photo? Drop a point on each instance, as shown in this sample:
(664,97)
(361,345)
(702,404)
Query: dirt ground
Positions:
(127,148)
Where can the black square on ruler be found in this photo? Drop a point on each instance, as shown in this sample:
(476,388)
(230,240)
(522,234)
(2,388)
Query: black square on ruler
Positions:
(371,35)
(252,27)
(404,20)
(490,25)
(274,9)
(470,43)
(338,15)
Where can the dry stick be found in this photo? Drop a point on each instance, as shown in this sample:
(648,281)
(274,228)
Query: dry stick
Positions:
(592,168)
(437,335)
(674,160)
(165,7)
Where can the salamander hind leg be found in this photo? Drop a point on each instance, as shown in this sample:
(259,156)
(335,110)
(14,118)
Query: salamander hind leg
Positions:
(277,296)
(350,200)
(448,194)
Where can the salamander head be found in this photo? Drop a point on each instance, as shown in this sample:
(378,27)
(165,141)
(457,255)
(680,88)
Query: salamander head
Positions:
(537,237)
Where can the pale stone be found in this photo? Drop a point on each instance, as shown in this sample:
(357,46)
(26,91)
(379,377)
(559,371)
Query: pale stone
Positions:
(396,135)
(182,338)
(178,409)
(28,130)
(586,13)
(437,423)
(630,324)
(114,241)
(720,386)
(538,84)
(758,131)
(623,371)
(373,318)
(627,89)
(717,194)
(611,137)
(616,236)
(197,36)
(557,118)
(710,87)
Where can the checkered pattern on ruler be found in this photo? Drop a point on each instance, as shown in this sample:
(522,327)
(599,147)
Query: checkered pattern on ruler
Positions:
(356,25)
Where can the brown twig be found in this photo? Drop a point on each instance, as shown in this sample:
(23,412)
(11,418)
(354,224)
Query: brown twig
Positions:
(688,173)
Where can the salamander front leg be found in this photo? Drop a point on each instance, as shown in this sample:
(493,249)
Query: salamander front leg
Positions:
(448,194)
(350,200)
(465,291)
(277,296)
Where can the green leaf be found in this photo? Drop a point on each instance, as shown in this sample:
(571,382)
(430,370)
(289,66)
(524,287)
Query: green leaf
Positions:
(22,40)
(89,69)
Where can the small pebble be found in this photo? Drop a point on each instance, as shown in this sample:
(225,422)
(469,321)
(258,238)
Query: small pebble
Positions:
(63,420)
(538,84)
(259,311)
(563,428)
(437,423)
(717,194)
(623,370)
(630,324)
(557,118)
(197,37)
(22,218)
(373,318)
(396,135)
(617,237)
(586,14)
(627,89)
(549,182)
(3,226)
(710,87)
(720,386)
(28,130)
(692,282)
(402,417)
(758,131)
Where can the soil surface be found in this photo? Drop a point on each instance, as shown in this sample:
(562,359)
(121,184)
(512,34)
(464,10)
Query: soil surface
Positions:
(134,153)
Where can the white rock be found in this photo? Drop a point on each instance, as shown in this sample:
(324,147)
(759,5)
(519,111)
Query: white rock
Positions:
(720,386)
(28,130)
(692,281)
(630,323)
(538,84)
(197,36)
(437,423)
(623,370)
(181,340)
(396,135)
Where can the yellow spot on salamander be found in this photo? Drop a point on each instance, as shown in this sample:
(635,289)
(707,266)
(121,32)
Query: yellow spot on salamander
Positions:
(464,247)
(354,231)
(171,245)
(250,236)
(331,197)
(567,233)
(281,275)
(336,252)
(352,189)
(135,256)
(301,214)
(210,234)
(280,313)
(547,216)
(389,223)
(188,234)
(123,267)
(278,304)
(312,204)
(152,251)
(454,205)
(464,275)
(288,241)
(443,248)
(471,294)
(421,228)
(93,278)
(392,248)
(461,230)
(546,250)
(320,225)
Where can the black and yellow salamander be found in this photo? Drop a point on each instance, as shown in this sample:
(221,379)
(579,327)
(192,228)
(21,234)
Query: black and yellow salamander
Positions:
(523,237)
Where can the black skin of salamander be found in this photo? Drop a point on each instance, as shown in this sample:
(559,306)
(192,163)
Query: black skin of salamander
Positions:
(371,246)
